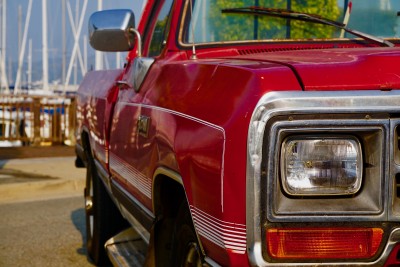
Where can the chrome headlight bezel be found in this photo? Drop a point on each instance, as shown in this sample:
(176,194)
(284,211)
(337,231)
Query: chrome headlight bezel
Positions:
(368,200)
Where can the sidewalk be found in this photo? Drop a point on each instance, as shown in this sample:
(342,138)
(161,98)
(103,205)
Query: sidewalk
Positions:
(39,178)
(36,152)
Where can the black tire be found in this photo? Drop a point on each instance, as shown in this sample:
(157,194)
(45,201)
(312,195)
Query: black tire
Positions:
(103,219)
(187,251)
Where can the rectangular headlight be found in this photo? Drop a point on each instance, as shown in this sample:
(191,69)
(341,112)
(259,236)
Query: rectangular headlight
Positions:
(321,165)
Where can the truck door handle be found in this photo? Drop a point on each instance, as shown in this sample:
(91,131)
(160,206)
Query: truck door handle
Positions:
(143,125)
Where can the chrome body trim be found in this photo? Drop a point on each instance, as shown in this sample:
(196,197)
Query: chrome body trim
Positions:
(367,104)
(134,200)
(138,227)
(210,262)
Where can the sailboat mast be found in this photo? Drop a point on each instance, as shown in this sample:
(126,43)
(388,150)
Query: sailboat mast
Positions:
(29,72)
(19,28)
(22,50)
(99,55)
(3,31)
(45,55)
(3,77)
(64,42)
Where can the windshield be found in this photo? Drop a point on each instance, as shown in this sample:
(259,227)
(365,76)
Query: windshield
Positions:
(214,21)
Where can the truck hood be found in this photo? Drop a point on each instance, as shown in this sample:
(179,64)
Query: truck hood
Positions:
(341,69)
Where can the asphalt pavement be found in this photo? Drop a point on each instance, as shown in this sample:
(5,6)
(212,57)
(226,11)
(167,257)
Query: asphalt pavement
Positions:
(39,174)
(44,233)
(42,207)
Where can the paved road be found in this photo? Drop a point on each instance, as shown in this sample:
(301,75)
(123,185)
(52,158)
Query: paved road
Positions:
(41,212)
(43,233)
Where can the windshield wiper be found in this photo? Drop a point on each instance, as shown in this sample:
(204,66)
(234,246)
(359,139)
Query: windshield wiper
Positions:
(288,14)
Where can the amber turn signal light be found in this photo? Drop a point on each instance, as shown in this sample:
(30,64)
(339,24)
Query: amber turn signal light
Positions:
(323,243)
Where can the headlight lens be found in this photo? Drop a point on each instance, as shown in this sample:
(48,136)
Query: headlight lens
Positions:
(321,165)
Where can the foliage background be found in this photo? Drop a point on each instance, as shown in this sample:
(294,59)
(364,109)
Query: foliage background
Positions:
(235,27)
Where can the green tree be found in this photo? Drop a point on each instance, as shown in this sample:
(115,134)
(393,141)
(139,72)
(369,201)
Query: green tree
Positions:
(236,27)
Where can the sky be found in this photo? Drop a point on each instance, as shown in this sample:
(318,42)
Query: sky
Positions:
(15,27)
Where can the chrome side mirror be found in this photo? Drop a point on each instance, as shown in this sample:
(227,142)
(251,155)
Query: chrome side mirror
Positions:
(113,30)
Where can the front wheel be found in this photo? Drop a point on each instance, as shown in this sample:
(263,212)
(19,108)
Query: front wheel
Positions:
(186,248)
(103,219)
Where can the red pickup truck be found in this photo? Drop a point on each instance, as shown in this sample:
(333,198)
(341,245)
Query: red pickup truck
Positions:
(244,133)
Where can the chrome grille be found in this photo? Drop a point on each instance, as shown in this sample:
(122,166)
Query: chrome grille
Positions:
(394,191)
(396,159)
(397,181)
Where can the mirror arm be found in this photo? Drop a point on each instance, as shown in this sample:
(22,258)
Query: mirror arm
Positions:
(139,40)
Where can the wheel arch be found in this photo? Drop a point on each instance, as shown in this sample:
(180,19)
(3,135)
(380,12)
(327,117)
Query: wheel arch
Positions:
(163,180)
(168,193)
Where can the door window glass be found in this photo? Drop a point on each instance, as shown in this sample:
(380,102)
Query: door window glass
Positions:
(161,29)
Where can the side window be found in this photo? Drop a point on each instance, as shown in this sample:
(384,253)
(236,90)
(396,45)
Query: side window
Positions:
(161,29)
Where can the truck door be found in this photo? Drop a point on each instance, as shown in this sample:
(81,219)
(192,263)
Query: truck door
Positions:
(133,151)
